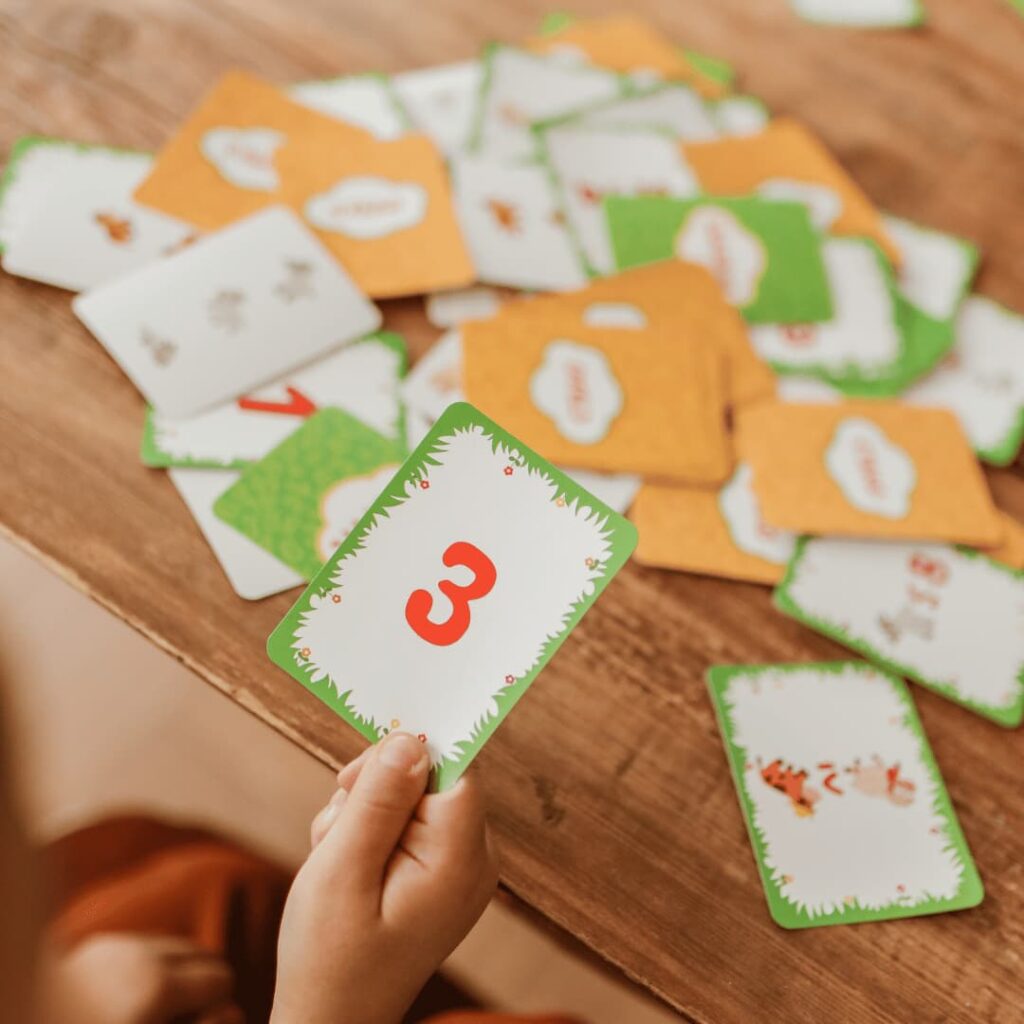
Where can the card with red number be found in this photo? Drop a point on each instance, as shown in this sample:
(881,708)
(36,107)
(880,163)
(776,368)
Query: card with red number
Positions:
(453,591)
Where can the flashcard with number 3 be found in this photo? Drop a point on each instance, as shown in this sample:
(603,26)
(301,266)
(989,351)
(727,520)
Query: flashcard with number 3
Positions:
(453,591)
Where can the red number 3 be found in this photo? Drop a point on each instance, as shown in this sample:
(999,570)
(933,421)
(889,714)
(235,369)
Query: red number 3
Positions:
(417,608)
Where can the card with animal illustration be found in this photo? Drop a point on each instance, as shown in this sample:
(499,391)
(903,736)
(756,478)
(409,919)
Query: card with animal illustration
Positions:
(252,572)
(862,13)
(632,46)
(765,255)
(77,226)
(847,812)
(630,401)
(362,378)
(587,164)
(300,501)
(866,468)
(520,87)
(513,224)
(946,617)
(234,310)
(669,107)
(435,382)
(712,532)
(441,100)
(367,101)
(383,208)
(466,573)
(982,379)
(787,161)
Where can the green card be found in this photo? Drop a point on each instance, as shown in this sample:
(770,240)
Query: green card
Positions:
(361,378)
(946,617)
(301,500)
(765,254)
(453,591)
(847,812)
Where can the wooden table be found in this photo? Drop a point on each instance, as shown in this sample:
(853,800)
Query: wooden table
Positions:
(611,798)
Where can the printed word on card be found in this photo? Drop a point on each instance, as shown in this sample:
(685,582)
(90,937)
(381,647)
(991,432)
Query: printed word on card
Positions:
(231,312)
(452,592)
(847,812)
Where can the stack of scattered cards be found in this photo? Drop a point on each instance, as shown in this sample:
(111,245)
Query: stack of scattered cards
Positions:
(670,301)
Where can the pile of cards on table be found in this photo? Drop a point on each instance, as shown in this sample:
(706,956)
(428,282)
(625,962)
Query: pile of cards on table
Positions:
(653,295)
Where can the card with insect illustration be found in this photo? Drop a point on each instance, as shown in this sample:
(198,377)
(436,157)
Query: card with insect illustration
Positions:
(712,532)
(362,378)
(946,617)
(865,468)
(620,400)
(231,312)
(300,501)
(847,813)
(453,591)
(787,161)
(368,101)
(765,255)
(69,218)
(513,224)
(982,379)
(440,101)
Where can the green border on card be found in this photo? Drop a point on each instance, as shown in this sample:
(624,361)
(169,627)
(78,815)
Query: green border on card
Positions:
(1009,717)
(783,912)
(385,81)
(622,540)
(157,458)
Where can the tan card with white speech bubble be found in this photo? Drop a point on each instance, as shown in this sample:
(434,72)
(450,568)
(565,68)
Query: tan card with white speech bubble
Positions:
(786,161)
(867,469)
(382,208)
(634,401)
(711,532)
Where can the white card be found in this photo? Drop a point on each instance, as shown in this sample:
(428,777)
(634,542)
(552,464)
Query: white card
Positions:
(365,101)
(589,164)
(86,229)
(862,333)
(949,619)
(525,87)
(513,225)
(362,379)
(616,490)
(35,162)
(440,101)
(861,13)
(453,307)
(238,308)
(936,269)
(676,109)
(436,379)
(252,572)
(982,379)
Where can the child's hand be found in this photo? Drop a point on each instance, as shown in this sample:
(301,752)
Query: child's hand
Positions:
(394,882)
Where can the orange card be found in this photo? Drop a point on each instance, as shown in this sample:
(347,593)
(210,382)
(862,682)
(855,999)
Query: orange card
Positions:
(1010,549)
(712,532)
(867,469)
(383,208)
(636,401)
(787,161)
(673,296)
(630,45)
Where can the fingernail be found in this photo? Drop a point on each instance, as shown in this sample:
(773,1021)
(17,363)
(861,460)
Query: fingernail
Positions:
(404,752)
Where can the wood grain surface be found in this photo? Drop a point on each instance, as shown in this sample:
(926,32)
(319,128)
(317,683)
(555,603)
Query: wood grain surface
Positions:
(612,802)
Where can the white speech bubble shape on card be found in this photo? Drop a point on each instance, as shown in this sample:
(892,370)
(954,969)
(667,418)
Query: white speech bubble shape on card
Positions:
(343,505)
(742,514)
(823,204)
(615,314)
(576,387)
(874,473)
(713,237)
(244,156)
(368,207)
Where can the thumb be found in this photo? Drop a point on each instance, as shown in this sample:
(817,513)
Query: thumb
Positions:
(375,813)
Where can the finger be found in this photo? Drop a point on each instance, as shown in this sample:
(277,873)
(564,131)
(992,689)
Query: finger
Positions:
(374,814)
(326,817)
(193,986)
(455,818)
(227,1014)
(174,947)
(348,773)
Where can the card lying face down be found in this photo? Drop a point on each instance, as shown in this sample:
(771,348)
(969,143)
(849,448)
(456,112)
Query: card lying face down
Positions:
(867,469)
(847,812)
(452,592)
(948,618)
(229,313)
